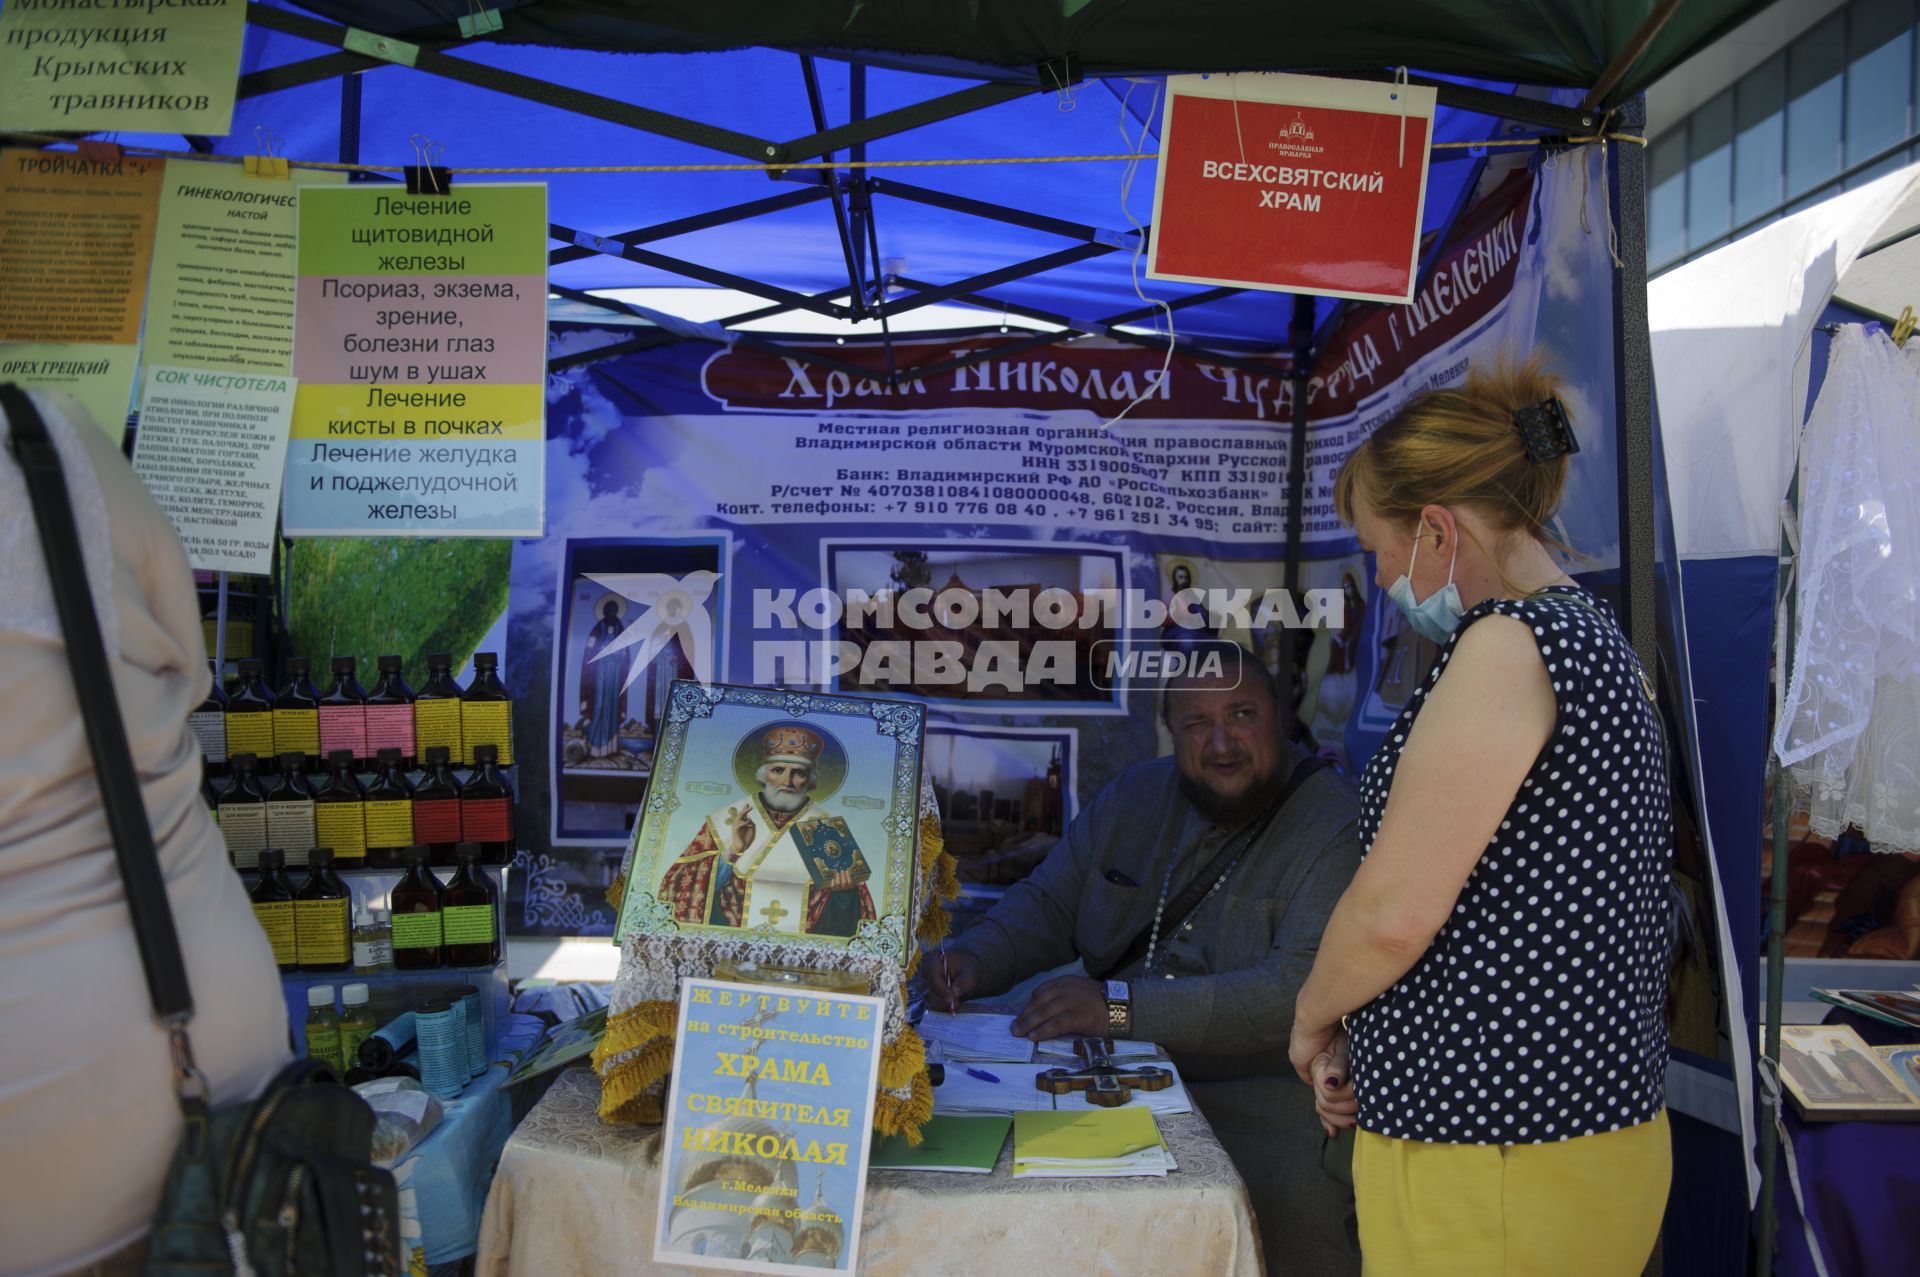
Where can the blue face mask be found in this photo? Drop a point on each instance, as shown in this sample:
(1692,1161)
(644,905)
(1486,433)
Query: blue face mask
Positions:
(1438,616)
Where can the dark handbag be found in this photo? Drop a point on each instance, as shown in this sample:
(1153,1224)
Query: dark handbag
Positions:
(282,1186)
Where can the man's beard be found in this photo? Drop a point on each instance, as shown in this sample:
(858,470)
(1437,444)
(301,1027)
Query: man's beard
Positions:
(1231,812)
(783,800)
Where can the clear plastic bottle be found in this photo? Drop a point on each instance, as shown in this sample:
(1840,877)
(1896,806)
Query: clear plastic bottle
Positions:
(323,1029)
(356,1023)
(372,941)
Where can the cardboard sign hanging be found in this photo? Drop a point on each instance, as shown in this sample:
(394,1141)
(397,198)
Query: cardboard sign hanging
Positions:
(1293,183)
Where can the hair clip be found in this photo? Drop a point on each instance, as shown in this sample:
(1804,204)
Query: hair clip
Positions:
(1545,431)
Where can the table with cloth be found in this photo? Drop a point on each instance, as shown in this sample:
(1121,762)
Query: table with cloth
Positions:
(577,1198)
(1861,1181)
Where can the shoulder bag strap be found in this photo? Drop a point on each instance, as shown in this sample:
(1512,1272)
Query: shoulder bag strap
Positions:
(120,795)
(1222,864)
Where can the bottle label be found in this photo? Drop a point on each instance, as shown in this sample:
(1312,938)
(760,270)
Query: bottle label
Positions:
(320,929)
(351,1036)
(476,1034)
(443,1052)
(486,820)
(250,733)
(343,727)
(486,723)
(341,827)
(244,826)
(390,823)
(372,955)
(390,727)
(276,919)
(436,820)
(466,924)
(323,1043)
(209,727)
(296,730)
(437,722)
(290,827)
(416,930)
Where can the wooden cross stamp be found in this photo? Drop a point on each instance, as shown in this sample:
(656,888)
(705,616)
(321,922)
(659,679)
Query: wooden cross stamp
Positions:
(1107,1084)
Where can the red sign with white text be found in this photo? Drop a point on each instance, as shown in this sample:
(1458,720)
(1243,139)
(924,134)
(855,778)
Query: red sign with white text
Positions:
(1293,183)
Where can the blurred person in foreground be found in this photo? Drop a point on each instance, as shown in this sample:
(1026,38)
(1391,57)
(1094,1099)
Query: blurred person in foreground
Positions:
(1499,962)
(88,1119)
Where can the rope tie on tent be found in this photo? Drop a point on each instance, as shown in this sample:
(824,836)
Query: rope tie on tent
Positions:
(1771,1097)
(1140,235)
(1603,136)
(534,170)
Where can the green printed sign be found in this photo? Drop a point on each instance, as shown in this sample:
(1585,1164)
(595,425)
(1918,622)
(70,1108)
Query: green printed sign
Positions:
(152,66)
(473,230)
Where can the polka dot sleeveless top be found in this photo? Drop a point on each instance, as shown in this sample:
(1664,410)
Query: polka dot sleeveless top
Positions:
(1539,1012)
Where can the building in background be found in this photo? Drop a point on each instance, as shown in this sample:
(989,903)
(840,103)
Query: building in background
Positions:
(1806,100)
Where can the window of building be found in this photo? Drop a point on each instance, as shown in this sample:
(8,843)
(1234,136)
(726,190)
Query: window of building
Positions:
(1816,65)
(1667,197)
(1759,138)
(1879,77)
(1710,171)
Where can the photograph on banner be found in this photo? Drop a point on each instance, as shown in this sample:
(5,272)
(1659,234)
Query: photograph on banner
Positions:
(212,448)
(62,69)
(783,814)
(76,239)
(222,288)
(1331,610)
(636,613)
(974,624)
(1006,795)
(747,1192)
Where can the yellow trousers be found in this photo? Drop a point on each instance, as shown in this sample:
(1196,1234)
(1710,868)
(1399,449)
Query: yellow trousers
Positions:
(1585,1207)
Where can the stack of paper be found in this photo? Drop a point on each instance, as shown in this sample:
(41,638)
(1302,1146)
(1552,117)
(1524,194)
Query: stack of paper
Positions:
(1098,1143)
(1117,1050)
(969,1145)
(975,1036)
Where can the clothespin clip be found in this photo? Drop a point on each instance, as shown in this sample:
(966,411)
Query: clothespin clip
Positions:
(426,177)
(266,163)
(99,152)
(1904,327)
(1059,76)
(478,22)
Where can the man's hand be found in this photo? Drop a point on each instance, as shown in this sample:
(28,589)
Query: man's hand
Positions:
(951,978)
(740,825)
(1071,1006)
(1308,1043)
(1333,1097)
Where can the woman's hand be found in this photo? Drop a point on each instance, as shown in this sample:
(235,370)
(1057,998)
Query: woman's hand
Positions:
(1333,1096)
(1308,1043)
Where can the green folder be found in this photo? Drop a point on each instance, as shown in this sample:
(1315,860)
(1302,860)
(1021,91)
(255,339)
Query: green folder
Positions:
(970,1145)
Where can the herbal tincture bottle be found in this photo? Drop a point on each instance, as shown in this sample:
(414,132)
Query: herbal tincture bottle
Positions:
(389,813)
(390,713)
(467,913)
(250,714)
(486,810)
(290,808)
(323,1029)
(321,923)
(415,911)
(343,711)
(372,942)
(339,811)
(486,712)
(436,710)
(209,725)
(242,809)
(436,807)
(296,713)
(272,898)
(356,1023)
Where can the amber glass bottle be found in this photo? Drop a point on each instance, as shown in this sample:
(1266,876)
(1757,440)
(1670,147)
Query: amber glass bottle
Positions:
(467,913)
(415,913)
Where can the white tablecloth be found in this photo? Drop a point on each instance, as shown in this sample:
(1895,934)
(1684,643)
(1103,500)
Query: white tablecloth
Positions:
(577,1198)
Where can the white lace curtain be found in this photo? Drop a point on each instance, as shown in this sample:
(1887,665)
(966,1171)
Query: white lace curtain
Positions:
(1849,728)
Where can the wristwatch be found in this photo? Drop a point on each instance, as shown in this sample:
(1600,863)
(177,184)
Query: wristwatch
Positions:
(1119,1009)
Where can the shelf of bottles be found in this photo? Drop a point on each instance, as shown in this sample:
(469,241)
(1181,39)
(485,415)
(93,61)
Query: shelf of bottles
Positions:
(373,830)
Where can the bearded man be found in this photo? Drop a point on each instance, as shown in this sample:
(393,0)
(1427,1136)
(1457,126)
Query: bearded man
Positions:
(1194,890)
(775,859)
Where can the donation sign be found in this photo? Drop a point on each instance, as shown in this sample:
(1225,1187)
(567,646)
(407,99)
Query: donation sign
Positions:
(210,449)
(150,66)
(1294,183)
(76,236)
(764,1162)
(221,295)
(420,348)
